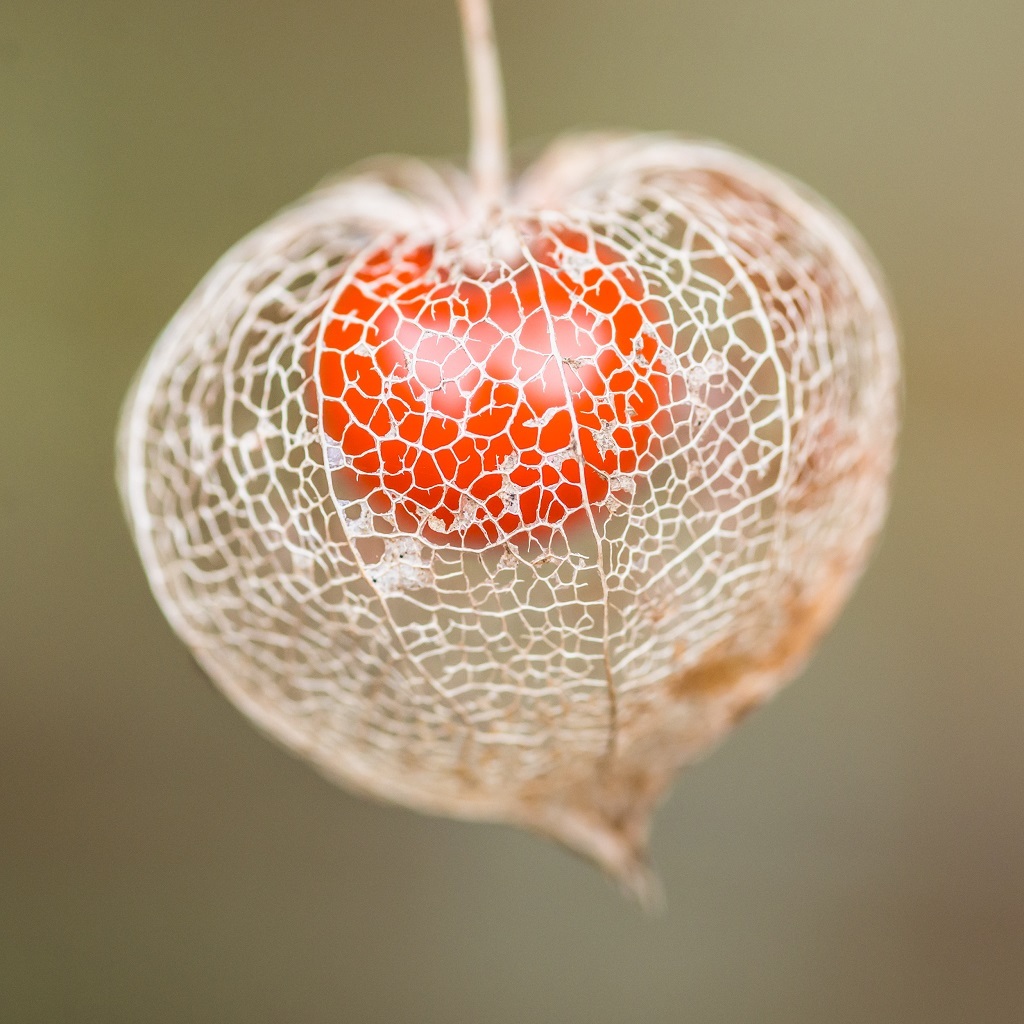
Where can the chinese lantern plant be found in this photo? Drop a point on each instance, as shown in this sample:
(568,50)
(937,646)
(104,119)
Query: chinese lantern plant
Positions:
(506,499)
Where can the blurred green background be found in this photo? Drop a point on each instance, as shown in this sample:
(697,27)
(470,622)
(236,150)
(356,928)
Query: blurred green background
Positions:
(855,852)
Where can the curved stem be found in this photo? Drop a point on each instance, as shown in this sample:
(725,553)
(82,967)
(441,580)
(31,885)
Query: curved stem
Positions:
(488,151)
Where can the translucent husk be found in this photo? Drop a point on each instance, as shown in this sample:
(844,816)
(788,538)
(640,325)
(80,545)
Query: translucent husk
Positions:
(553,673)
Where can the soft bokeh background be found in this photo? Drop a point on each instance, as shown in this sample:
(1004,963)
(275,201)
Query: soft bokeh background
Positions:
(854,853)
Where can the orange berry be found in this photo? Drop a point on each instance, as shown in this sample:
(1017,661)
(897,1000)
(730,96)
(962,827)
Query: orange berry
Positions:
(483,405)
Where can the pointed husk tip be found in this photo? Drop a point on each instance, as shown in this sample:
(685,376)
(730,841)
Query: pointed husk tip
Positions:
(619,848)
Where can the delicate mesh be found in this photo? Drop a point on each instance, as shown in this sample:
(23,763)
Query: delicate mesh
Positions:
(511,523)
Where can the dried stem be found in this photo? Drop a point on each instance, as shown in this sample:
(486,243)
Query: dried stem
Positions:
(488,152)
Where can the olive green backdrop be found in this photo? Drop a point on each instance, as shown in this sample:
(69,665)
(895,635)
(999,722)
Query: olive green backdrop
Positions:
(854,853)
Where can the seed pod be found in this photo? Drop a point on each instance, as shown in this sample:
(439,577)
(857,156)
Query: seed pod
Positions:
(508,508)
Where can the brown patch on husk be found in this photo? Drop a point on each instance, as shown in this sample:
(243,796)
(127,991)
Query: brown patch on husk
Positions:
(722,668)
